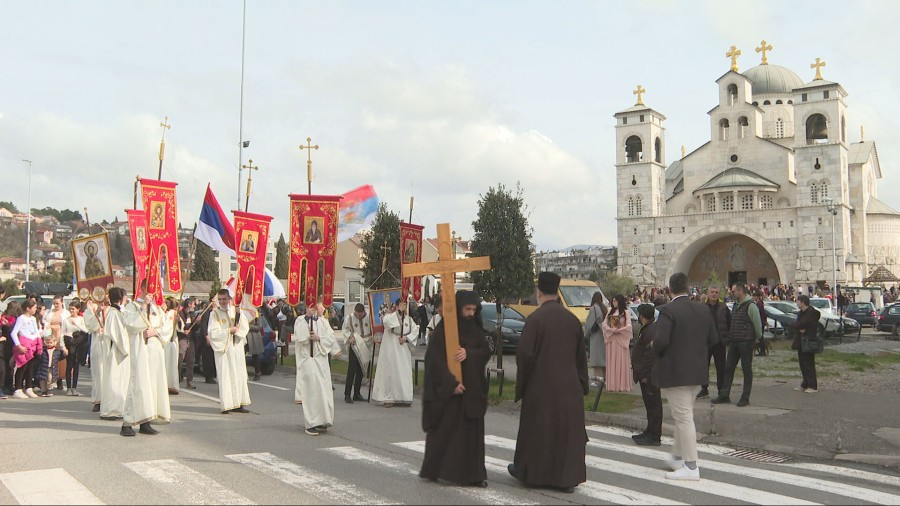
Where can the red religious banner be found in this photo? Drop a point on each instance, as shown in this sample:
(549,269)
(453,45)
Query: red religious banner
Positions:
(314,223)
(411,253)
(164,260)
(252,234)
(93,267)
(137,225)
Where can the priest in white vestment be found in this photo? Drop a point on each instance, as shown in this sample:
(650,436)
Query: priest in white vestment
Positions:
(313,341)
(393,382)
(93,320)
(171,348)
(358,335)
(116,359)
(226,334)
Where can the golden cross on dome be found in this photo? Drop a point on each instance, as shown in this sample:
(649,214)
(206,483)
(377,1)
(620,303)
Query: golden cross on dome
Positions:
(640,94)
(733,53)
(764,48)
(818,66)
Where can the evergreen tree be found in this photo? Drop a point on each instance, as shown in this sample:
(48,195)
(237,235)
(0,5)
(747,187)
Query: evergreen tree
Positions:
(385,231)
(205,266)
(11,208)
(67,272)
(281,258)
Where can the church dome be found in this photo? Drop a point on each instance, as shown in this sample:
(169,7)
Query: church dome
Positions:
(772,79)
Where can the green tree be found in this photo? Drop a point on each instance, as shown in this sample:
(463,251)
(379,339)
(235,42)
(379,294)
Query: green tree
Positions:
(69,215)
(11,208)
(11,287)
(385,232)
(205,266)
(67,272)
(502,233)
(281,258)
(614,284)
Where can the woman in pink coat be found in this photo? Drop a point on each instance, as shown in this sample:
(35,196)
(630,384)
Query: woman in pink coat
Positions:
(617,334)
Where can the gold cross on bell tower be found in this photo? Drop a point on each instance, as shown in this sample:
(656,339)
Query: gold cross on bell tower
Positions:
(764,48)
(818,66)
(733,53)
(309,149)
(640,94)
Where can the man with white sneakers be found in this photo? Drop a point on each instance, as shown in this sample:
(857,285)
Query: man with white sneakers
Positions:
(685,332)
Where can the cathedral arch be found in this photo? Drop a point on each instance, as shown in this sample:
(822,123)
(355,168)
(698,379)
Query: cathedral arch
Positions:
(816,129)
(690,209)
(634,149)
(723,129)
(823,189)
(743,126)
(688,251)
(784,202)
(732,94)
(630,206)
(778,102)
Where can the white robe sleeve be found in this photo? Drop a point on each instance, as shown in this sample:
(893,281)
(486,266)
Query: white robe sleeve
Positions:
(218,332)
(243,328)
(135,320)
(117,331)
(91,321)
(167,329)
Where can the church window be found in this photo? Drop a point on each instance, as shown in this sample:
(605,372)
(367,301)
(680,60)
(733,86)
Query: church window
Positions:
(670,230)
(821,243)
(634,149)
(767,102)
(635,231)
(682,230)
(630,206)
(764,224)
(634,250)
(659,230)
(816,129)
(843,129)
(778,102)
(638,208)
(657,148)
(746,202)
(803,97)
(723,130)
(625,121)
(743,126)
(779,128)
(792,223)
(823,190)
(825,94)
(814,193)
(790,101)
(779,224)
(765,202)
(642,118)
(820,221)
(728,203)
(732,94)
(710,203)
(755,103)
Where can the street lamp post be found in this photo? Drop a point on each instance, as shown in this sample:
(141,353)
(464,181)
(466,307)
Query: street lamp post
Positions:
(28,228)
(832,209)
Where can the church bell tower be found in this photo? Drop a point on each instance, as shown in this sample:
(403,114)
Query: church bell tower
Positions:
(640,160)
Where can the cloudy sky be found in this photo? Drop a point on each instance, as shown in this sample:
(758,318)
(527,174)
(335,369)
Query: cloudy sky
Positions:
(437,99)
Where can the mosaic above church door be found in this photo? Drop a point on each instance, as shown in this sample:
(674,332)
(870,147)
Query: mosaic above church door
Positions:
(733,258)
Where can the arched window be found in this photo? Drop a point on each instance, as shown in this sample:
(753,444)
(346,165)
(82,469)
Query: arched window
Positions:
(777,102)
(816,129)
(821,243)
(823,190)
(634,149)
(710,203)
(755,103)
(765,202)
(767,102)
(728,203)
(814,193)
(657,148)
(630,206)
(638,207)
(843,129)
(746,202)
(779,128)
(790,101)
(743,127)
(732,94)
(634,250)
(723,129)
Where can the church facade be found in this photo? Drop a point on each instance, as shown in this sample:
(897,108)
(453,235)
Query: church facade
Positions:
(755,204)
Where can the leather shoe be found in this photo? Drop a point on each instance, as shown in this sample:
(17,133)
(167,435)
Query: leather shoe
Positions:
(110,418)
(191,386)
(567,490)
(359,398)
(96,408)
(348,399)
(126,431)
(256,377)
(147,429)
(480,484)
(511,468)
(639,436)
(703,394)
(647,440)
(743,402)
(173,391)
(241,409)
(212,381)
(721,400)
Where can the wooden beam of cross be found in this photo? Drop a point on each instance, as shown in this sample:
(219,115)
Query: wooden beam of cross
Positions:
(447,267)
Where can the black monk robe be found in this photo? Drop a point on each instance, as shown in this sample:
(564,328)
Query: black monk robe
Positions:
(454,424)
(551,381)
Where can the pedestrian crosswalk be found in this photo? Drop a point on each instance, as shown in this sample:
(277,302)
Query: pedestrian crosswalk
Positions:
(618,473)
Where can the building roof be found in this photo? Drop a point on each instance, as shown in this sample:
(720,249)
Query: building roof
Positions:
(878,207)
(737,176)
(881,275)
(860,152)
(770,78)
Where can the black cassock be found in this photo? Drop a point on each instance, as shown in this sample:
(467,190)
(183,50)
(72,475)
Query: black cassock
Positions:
(454,424)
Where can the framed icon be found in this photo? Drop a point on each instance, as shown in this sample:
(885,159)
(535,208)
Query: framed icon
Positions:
(312,229)
(157,215)
(249,241)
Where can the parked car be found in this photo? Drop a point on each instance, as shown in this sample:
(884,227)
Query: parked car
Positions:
(267,359)
(511,332)
(830,325)
(782,321)
(822,304)
(46,299)
(862,312)
(336,315)
(889,319)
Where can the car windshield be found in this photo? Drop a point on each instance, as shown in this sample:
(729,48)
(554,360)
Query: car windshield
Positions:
(820,304)
(774,311)
(786,307)
(860,305)
(578,296)
(489,312)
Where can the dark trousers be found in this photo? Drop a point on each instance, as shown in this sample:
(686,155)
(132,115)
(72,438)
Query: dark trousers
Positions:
(354,375)
(5,381)
(808,370)
(186,357)
(75,358)
(717,353)
(206,357)
(25,374)
(653,404)
(739,352)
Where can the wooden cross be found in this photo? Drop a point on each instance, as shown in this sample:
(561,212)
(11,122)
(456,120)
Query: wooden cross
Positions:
(447,267)
(763,48)
(640,94)
(733,53)
(309,149)
(818,66)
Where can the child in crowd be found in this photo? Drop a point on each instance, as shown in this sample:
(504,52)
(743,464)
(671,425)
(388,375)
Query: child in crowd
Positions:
(49,370)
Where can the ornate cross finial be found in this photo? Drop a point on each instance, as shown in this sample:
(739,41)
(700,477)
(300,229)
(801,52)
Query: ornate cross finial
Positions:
(733,53)
(162,144)
(683,151)
(862,134)
(309,149)
(764,48)
(165,126)
(385,249)
(640,94)
(818,66)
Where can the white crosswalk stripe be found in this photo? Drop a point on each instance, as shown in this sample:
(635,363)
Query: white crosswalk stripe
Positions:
(847,472)
(594,490)
(712,487)
(47,486)
(482,495)
(312,482)
(185,484)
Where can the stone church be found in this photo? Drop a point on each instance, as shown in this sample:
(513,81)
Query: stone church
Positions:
(755,204)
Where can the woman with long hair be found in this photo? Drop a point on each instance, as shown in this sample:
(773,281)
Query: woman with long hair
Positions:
(596,343)
(7,322)
(26,335)
(54,320)
(75,336)
(617,334)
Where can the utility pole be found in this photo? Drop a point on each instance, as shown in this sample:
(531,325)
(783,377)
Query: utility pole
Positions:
(28,228)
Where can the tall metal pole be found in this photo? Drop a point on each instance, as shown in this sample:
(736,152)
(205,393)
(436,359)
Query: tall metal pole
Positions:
(28,227)
(241,125)
(833,257)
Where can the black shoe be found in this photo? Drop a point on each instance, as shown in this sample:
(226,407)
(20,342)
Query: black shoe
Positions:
(321,428)
(241,409)
(359,398)
(110,418)
(721,400)
(212,381)
(639,436)
(256,377)
(191,386)
(647,440)
(226,412)
(96,408)
(126,431)
(567,490)
(480,484)
(147,429)
(743,402)
(348,399)
(511,468)
(703,394)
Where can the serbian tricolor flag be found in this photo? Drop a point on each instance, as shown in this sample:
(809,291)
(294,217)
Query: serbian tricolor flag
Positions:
(137,225)
(313,246)
(253,233)
(411,253)
(214,229)
(358,207)
(162,236)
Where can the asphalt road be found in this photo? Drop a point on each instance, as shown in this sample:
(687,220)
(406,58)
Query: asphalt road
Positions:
(55,451)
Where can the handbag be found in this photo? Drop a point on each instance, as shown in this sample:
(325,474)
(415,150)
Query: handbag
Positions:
(812,345)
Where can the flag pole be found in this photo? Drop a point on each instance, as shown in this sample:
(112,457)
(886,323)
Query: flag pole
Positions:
(241,120)
(134,274)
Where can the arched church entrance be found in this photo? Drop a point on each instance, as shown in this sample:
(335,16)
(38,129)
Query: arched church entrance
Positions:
(725,258)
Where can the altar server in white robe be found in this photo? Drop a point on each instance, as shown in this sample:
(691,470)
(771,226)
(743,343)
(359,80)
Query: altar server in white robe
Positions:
(227,334)
(171,347)
(94,317)
(116,359)
(393,377)
(314,340)
(148,395)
